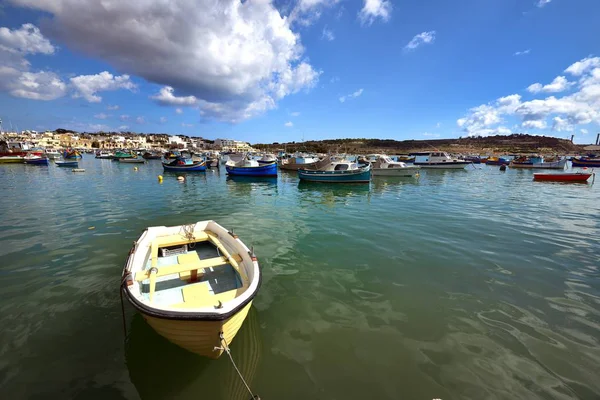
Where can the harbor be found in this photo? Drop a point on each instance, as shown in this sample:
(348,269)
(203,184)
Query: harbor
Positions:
(401,287)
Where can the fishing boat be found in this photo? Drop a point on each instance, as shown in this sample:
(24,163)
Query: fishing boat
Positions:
(385,166)
(563,176)
(250,167)
(132,160)
(438,160)
(405,158)
(71,154)
(267,159)
(67,164)
(473,159)
(36,160)
(52,154)
(194,284)
(151,156)
(12,152)
(338,172)
(538,162)
(104,155)
(591,161)
(497,161)
(299,162)
(119,155)
(181,164)
(171,155)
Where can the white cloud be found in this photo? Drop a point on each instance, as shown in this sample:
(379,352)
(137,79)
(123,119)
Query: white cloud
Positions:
(542,3)
(581,107)
(374,9)
(140,120)
(162,120)
(166,97)
(32,85)
(123,127)
(559,84)
(560,124)
(583,66)
(421,38)
(327,34)
(584,131)
(433,135)
(124,117)
(112,108)
(26,40)
(229,54)
(101,116)
(288,124)
(295,114)
(522,53)
(183,124)
(87,86)
(179,111)
(439,124)
(534,124)
(351,95)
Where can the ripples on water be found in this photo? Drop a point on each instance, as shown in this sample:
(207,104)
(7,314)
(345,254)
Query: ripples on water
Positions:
(462,284)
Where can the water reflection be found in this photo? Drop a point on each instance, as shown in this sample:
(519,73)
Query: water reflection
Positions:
(266,185)
(161,370)
(331,193)
(381,184)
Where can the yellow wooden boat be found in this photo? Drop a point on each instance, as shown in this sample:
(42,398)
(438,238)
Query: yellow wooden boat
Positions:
(194,284)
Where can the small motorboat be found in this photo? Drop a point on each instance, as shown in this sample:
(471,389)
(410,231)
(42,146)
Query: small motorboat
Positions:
(338,172)
(123,154)
(438,160)
(67,164)
(151,156)
(299,162)
(591,161)
(104,155)
(537,162)
(52,154)
(132,160)
(563,177)
(250,167)
(385,166)
(497,161)
(181,164)
(36,160)
(194,284)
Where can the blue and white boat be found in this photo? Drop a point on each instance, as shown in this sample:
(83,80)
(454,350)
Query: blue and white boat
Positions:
(36,160)
(67,164)
(338,172)
(267,159)
(250,167)
(438,160)
(184,165)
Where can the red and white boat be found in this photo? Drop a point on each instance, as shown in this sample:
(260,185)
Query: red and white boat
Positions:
(564,177)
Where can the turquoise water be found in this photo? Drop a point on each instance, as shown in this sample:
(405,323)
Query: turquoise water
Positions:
(474,284)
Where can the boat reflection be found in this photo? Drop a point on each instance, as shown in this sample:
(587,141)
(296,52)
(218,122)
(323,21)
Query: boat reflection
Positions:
(382,184)
(247,184)
(161,370)
(331,193)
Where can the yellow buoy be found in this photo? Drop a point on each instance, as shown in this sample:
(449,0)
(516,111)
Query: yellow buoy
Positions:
(135,168)
(180,178)
(160,178)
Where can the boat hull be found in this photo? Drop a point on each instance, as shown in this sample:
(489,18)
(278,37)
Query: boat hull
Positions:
(132,161)
(296,167)
(41,161)
(543,165)
(67,164)
(403,172)
(362,175)
(443,165)
(585,163)
(199,336)
(11,159)
(567,177)
(185,168)
(261,170)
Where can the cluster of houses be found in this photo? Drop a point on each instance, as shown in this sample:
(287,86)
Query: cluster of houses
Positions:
(61,139)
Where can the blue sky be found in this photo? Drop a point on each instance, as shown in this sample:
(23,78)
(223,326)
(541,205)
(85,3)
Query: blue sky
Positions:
(282,71)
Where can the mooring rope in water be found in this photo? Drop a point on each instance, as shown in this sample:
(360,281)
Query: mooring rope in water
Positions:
(226,348)
(121,288)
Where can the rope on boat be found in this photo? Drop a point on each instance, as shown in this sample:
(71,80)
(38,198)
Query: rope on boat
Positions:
(188,232)
(226,348)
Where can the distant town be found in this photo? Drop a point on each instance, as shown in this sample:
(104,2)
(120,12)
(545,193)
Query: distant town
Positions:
(62,138)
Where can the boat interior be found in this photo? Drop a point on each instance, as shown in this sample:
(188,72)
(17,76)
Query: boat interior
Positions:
(197,273)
